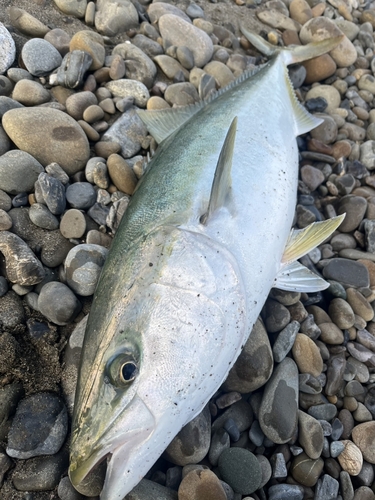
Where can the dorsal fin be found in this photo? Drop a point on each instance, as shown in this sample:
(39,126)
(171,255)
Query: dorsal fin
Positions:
(162,123)
(222,178)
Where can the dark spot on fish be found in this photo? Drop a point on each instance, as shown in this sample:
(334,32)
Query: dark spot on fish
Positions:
(150,264)
(64,133)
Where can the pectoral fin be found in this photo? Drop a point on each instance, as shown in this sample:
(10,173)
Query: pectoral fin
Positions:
(293,275)
(222,178)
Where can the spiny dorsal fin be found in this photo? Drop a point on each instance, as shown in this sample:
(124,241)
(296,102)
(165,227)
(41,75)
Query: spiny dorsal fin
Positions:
(162,123)
(293,276)
(293,54)
(222,179)
(302,241)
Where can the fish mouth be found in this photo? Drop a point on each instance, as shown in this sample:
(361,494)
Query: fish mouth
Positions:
(129,431)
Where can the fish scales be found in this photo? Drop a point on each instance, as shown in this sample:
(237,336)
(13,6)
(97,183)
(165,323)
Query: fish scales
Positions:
(177,298)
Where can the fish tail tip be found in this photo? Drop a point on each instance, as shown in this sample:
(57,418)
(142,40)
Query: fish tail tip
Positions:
(293,54)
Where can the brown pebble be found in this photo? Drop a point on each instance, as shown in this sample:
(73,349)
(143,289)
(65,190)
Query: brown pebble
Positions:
(300,11)
(307,355)
(341,313)
(121,174)
(106,148)
(359,304)
(331,334)
(318,9)
(93,113)
(201,485)
(341,149)
(319,68)
(364,437)
(91,133)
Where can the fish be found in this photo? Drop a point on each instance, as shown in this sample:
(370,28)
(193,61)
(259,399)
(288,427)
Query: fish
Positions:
(205,237)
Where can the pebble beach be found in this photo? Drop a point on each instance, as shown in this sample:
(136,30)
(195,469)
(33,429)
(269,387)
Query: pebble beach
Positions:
(295,418)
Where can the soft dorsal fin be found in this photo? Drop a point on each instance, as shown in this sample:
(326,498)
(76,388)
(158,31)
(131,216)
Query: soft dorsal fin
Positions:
(293,276)
(222,178)
(162,123)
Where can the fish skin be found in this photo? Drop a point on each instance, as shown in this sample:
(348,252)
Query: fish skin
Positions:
(177,299)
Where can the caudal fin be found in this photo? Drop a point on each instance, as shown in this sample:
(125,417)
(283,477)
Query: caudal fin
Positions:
(296,53)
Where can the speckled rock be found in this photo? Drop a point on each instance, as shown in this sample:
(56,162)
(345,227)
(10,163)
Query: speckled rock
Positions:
(240,469)
(63,142)
(40,57)
(8,49)
(39,426)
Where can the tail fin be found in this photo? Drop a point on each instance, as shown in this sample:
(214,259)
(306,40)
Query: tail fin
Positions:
(294,54)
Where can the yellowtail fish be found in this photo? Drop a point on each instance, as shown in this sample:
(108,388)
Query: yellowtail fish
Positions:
(204,239)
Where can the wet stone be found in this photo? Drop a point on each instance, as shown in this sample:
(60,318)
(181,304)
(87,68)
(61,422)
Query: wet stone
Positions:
(335,371)
(220,441)
(183,449)
(201,485)
(240,412)
(277,317)
(278,410)
(39,426)
(254,365)
(309,384)
(66,490)
(83,266)
(240,469)
(325,411)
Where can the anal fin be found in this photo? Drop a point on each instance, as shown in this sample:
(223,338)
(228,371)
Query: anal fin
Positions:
(222,178)
(295,277)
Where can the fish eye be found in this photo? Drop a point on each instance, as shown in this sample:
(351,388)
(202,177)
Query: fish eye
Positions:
(121,369)
(128,371)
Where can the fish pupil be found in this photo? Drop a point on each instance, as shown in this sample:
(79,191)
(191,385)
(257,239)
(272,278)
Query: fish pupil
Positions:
(128,371)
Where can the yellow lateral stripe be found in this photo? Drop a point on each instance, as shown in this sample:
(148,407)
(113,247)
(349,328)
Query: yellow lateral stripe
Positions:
(302,241)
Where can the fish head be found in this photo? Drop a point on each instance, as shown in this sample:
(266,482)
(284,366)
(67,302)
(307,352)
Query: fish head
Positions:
(166,349)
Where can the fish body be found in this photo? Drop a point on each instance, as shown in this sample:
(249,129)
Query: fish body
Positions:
(190,268)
